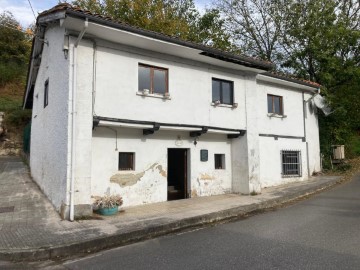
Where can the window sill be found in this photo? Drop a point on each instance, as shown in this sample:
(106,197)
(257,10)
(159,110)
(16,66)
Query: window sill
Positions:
(166,97)
(233,106)
(276,115)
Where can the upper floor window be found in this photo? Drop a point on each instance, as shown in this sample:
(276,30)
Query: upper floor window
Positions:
(154,79)
(222,91)
(46,93)
(275,104)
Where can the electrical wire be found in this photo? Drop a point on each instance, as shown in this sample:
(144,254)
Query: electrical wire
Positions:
(32,9)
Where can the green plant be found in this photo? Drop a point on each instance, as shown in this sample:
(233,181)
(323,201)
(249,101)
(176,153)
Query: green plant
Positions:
(353,146)
(342,167)
(108,201)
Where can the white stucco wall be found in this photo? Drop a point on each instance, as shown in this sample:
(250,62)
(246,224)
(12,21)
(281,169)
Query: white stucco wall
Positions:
(252,162)
(148,183)
(270,160)
(49,132)
(190,88)
(83,120)
(292,125)
(312,135)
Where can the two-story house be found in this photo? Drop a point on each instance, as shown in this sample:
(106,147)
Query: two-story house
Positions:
(118,109)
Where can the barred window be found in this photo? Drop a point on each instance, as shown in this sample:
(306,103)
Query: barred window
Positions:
(290,163)
(126,161)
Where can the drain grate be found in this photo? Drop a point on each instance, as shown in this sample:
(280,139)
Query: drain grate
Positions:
(7,209)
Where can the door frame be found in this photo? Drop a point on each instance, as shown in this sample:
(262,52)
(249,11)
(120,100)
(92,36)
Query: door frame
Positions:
(187,164)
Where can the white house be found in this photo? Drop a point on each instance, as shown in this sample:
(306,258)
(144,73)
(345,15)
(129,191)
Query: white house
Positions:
(118,109)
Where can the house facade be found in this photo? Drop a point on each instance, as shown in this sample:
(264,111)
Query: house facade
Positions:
(117,109)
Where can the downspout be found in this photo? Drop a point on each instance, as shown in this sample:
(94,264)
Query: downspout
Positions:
(305,138)
(73,122)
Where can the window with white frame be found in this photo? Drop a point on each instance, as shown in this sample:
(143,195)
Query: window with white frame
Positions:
(290,163)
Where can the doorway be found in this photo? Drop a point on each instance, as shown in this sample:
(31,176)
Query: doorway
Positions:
(177,173)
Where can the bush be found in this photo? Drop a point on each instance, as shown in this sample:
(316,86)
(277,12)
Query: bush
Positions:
(353,146)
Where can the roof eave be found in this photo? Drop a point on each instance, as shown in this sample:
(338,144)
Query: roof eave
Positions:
(288,82)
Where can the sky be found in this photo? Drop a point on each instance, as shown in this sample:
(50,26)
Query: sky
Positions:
(22,11)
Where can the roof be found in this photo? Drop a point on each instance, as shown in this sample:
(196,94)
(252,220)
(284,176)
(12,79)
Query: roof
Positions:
(291,78)
(208,51)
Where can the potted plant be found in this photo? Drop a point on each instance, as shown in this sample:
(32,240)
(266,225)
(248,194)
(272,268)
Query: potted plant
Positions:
(108,205)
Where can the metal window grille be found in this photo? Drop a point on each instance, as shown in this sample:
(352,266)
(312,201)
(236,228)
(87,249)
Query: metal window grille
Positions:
(126,161)
(290,163)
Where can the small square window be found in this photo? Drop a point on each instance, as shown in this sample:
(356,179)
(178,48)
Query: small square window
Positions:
(290,163)
(46,93)
(275,104)
(155,79)
(126,161)
(222,91)
(219,161)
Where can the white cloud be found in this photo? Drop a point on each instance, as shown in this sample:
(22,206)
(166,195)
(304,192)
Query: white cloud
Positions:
(21,12)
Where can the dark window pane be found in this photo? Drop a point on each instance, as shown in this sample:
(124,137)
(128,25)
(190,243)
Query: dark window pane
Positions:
(159,81)
(219,161)
(144,78)
(270,109)
(227,93)
(46,93)
(215,90)
(126,161)
(277,105)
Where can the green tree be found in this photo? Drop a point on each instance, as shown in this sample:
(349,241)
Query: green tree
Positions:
(256,25)
(14,49)
(177,18)
(317,40)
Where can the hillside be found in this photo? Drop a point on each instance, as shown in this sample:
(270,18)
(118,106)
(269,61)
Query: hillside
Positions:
(16,118)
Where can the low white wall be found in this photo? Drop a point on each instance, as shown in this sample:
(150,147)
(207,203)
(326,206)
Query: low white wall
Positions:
(148,183)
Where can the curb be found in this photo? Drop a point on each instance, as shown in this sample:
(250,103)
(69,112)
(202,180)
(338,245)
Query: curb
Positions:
(156,230)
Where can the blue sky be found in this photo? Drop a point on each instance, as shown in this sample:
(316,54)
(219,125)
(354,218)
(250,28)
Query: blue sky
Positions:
(22,11)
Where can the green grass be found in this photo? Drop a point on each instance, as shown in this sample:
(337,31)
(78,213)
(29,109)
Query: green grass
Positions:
(15,117)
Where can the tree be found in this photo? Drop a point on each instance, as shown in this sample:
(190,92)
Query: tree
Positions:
(177,18)
(14,49)
(256,25)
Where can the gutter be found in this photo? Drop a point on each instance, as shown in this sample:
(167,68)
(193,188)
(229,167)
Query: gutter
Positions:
(73,48)
(268,77)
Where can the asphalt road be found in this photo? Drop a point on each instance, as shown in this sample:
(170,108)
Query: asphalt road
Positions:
(322,232)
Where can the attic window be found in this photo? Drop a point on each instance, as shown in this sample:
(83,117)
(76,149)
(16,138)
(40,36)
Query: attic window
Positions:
(153,79)
(46,93)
